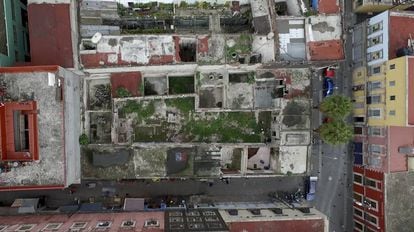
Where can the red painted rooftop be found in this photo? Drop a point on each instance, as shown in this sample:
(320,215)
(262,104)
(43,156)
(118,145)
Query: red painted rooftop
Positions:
(308,225)
(326,50)
(50,35)
(399,34)
(128,80)
(328,6)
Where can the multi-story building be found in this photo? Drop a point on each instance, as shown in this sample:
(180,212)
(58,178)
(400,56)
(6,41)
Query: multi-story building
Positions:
(14,34)
(369,6)
(383,118)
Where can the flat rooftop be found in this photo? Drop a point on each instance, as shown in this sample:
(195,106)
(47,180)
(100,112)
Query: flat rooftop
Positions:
(48,170)
(56,93)
(399,201)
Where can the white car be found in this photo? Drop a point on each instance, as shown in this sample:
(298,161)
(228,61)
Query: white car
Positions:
(311,188)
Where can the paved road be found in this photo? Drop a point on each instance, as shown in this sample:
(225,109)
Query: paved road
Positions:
(333,164)
(238,189)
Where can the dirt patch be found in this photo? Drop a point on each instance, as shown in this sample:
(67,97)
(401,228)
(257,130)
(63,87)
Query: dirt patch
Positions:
(211,97)
(322,27)
(155,86)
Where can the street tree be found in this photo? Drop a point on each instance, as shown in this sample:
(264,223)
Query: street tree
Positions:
(335,132)
(336,107)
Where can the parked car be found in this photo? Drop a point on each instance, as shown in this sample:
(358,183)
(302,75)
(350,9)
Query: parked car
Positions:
(311,188)
(329,72)
(328,87)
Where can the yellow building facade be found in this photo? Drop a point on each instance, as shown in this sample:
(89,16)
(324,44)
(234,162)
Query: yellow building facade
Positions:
(386,94)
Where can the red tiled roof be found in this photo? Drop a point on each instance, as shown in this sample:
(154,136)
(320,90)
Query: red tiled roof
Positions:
(308,225)
(326,50)
(328,6)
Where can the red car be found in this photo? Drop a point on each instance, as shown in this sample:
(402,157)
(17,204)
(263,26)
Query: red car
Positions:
(329,72)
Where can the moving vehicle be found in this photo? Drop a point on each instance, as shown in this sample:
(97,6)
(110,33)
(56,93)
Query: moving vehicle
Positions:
(329,72)
(311,188)
(328,87)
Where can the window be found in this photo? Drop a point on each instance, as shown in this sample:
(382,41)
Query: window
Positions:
(358,130)
(374,85)
(128,224)
(373,99)
(26,227)
(103,224)
(52,226)
(375,55)
(375,27)
(78,225)
(371,183)
(376,70)
(372,204)
(152,223)
(358,226)
(358,212)
(392,113)
(374,40)
(357,197)
(367,229)
(375,131)
(373,161)
(375,148)
(357,178)
(372,219)
(374,113)
(392,98)
(391,83)
(392,66)
(3,33)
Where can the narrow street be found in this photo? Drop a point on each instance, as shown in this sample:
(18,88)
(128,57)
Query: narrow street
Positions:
(238,189)
(333,164)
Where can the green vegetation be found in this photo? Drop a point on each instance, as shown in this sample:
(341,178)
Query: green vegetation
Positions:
(243,45)
(236,159)
(336,132)
(123,92)
(226,127)
(181,85)
(336,107)
(142,110)
(193,126)
(150,133)
(183,4)
(310,13)
(83,139)
(185,105)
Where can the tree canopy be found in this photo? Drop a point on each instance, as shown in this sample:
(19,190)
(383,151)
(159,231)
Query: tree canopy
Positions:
(336,132)
(337,106)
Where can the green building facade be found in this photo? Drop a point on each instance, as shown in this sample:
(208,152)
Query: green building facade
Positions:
(14,34)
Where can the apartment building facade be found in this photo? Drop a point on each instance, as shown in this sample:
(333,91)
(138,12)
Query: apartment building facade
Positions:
(382,93)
